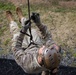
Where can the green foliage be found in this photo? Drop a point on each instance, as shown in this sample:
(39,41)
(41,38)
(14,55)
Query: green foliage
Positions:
(73,52)
(7,42)
(4,52)
(6,6)
(2,29)
(41,8)
(63,9)
(36,7)
(60,10)
(74,55)
(55,2)
(55,8)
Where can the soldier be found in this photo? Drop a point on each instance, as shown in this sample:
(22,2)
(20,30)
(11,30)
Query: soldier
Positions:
(43,57)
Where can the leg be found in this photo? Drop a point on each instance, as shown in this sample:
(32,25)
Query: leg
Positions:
(13,25)
(14,29)
(22,20)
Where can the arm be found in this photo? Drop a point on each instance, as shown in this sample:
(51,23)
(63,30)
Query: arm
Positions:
(17,48)
(47,37)
(19,54)
(26,59)
(44,31)
(17,44)
(18,39)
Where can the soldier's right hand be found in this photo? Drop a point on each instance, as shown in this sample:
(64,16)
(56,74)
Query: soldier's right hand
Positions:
(35,17)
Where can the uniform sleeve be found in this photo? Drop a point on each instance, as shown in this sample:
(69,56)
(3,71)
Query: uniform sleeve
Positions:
(19,55)
(17,42)
(46,34)
(23,58)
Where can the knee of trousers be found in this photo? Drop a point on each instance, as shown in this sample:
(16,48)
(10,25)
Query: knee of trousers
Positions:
(14,27)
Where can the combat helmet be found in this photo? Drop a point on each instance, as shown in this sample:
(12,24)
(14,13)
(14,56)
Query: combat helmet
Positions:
(51,58)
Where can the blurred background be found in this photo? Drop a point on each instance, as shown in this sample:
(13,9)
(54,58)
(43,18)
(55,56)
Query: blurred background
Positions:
(58,15)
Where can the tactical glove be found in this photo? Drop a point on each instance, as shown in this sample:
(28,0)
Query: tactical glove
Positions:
(26,27)
(36,18)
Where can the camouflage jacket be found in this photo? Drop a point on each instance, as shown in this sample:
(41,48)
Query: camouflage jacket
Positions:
(28,59)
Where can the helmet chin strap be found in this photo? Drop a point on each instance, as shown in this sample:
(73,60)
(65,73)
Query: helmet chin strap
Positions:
(40,55)
(56,47)
(41,50)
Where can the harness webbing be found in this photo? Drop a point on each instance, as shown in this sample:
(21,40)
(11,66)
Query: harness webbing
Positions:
(30,35)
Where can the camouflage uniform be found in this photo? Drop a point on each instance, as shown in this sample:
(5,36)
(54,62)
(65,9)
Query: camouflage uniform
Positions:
(28,59)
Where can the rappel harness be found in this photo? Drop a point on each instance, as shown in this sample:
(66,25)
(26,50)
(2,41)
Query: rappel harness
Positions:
(29,21)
